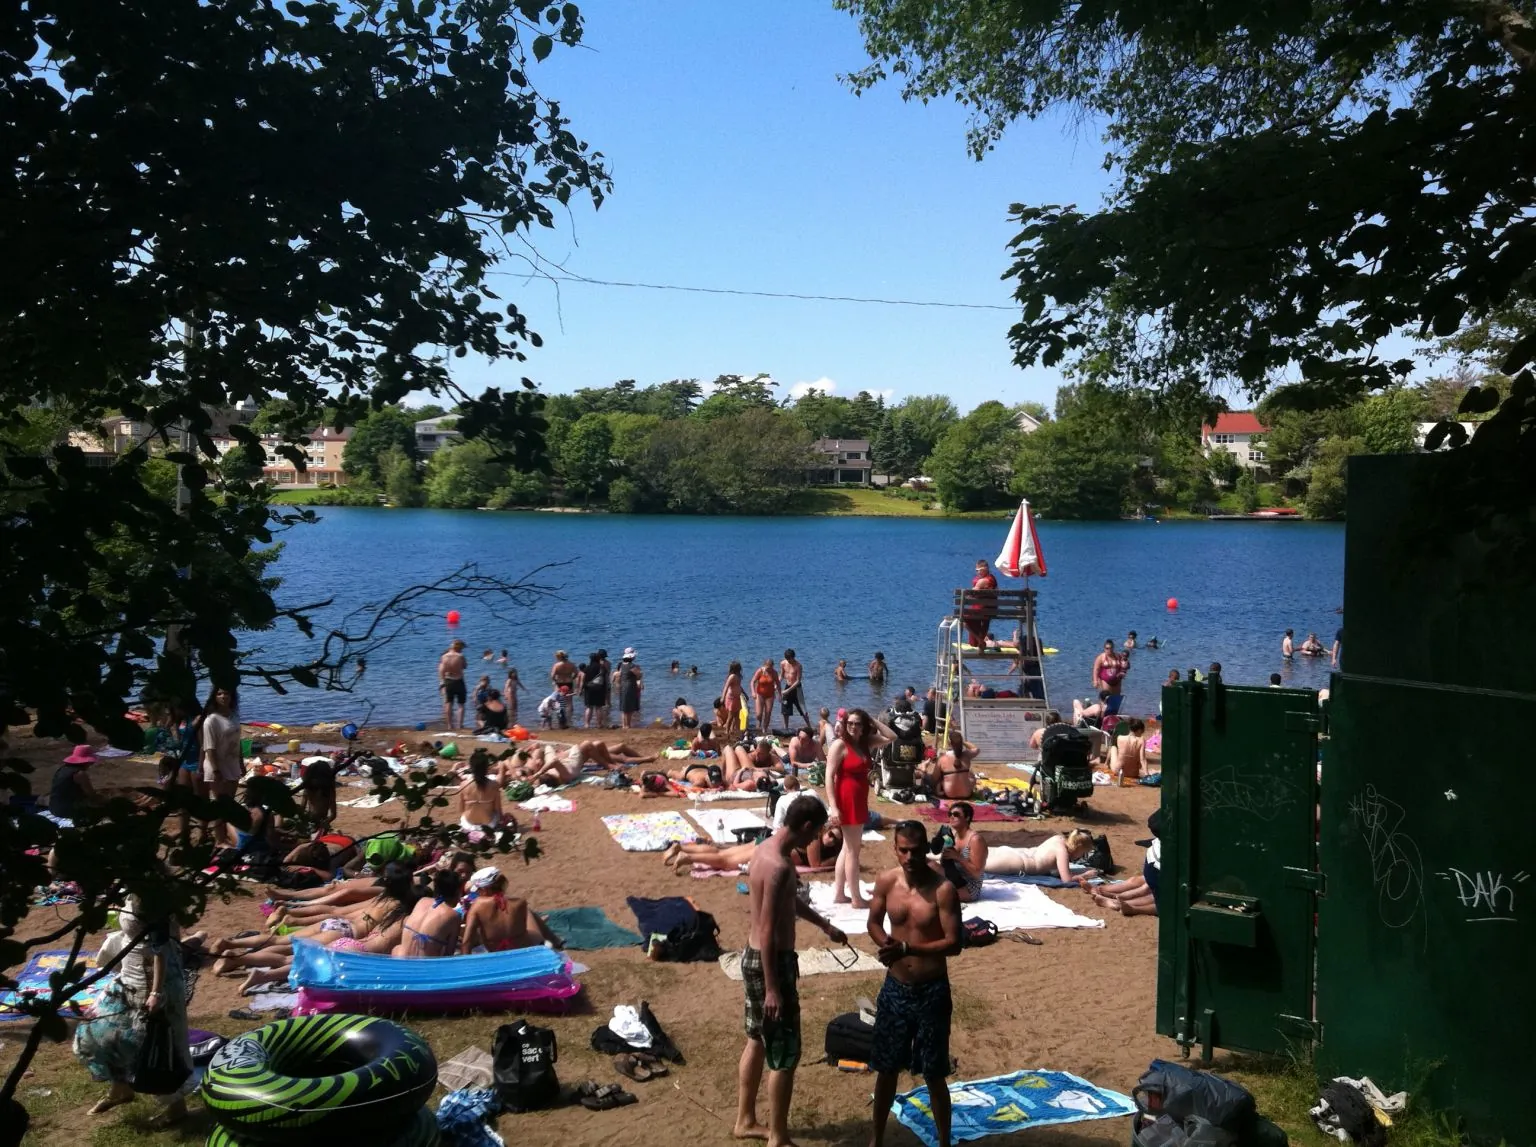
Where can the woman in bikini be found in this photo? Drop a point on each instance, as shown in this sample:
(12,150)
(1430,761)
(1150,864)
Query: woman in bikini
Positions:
(950,775)
(765,688)
(432,928)
(747,769)
(818,856)
(730,699)
(848,764)
(1053,857)
(497,922)
(965,861)
(373,927)
(480,798)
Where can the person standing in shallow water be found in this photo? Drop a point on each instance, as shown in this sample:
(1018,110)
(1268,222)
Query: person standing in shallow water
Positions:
(877,669)
(792,681)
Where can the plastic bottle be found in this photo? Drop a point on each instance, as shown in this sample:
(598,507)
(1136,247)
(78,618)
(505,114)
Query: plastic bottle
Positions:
(537,823)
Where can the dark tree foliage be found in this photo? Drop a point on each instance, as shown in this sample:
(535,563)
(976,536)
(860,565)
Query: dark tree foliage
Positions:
(205,202)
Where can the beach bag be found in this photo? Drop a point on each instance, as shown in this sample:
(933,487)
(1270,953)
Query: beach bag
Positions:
(161,1066)
(523,1060)
(978,933)
(850,1038)
(699,939)
(1174,1090)
(1099,858)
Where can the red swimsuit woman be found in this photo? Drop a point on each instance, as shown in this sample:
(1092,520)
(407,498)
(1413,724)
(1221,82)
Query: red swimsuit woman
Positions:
(852,792)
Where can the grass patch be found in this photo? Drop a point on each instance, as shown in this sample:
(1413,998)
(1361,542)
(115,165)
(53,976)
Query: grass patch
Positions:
(859,501)
(296,497)
(1286,1088)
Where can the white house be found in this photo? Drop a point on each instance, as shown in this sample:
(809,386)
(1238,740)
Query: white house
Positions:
(1234,432)
(432,433)
(1028,423)
(844,462)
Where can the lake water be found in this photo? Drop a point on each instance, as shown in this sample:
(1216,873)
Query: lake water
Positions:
(705,591)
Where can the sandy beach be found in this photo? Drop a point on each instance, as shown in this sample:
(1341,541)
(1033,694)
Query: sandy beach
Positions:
(1082,1001)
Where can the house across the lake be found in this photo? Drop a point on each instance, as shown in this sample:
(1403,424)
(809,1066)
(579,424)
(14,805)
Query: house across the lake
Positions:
(1234,432)
(844,462)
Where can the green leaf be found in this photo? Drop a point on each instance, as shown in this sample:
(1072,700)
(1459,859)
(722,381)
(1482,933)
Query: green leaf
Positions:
(542,46)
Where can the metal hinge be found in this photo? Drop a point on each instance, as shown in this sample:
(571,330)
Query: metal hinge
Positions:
(1306,878)
(1303,723)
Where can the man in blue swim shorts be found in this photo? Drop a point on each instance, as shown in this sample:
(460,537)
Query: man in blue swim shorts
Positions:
(913,1012)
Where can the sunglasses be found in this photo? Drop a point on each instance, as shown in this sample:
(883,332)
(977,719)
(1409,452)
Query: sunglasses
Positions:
(956,813)
(848,959)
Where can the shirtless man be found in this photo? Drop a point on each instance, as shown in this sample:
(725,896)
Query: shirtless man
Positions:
(913,1012)
(548,765)
(450,683)
(562,675)
(704,740)
(1288,644)
(877,669)
(769,970)
(792,680)
(746,769)
(497,922)
(432,928)
(765,689)
(840,674)
(804,751)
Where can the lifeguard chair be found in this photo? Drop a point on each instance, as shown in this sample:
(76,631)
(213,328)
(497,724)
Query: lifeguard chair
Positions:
(994,692)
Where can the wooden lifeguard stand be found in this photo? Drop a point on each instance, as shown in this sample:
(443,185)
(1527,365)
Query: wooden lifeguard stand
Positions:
(996,693)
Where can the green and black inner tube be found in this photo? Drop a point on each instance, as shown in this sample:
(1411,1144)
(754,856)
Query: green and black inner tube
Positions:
(314,1077)
(422,1132)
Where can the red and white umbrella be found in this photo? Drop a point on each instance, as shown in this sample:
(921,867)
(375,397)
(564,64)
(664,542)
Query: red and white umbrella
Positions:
(1021,556)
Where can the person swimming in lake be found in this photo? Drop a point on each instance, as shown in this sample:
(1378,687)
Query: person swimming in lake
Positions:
(1312,647)
(877,669)
(840,674)
(676,667)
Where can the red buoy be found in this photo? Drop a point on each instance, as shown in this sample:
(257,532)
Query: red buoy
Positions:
(453,614)
(1173,603)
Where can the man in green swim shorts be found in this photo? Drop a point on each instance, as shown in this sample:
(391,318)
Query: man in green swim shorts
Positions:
(769,970)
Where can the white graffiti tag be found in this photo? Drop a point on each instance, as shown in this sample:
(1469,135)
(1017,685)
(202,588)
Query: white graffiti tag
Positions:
(1397,869)
(1485,893)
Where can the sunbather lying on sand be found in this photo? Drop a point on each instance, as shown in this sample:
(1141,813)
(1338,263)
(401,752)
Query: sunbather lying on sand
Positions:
(372,927)
(1052,857)
(748,770)
(818,856)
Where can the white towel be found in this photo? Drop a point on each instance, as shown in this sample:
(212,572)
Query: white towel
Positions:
(1009,906)
(720,825)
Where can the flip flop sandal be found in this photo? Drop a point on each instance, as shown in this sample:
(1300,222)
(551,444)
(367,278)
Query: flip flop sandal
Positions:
(631,1068)
(1025,938)
(651,1063)
(607,1100)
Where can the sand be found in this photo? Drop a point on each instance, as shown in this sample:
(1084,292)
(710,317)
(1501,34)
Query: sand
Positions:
(1082,1001)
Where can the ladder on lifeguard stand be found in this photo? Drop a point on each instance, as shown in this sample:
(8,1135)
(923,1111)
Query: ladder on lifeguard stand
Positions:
(969,679)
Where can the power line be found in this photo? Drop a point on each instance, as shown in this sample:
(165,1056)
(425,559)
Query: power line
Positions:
(569,278)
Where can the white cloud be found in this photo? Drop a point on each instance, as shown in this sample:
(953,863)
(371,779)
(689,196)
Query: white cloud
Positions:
(823,384)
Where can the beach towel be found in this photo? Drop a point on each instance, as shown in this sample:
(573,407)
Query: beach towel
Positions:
(648,831)
(372,800)
(548,802)
(813,962)
(1008,905)
(33,980)
(586,929)
(658,917)
(727,795)
(1007,1103)
(720,825)
(940,813)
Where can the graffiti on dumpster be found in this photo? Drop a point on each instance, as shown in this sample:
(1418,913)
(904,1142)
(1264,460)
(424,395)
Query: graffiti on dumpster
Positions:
(1485,895)
(1397,868)
(1261,796)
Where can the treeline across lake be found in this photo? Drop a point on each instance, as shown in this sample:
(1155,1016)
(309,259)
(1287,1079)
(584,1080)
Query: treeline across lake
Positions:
(736,447)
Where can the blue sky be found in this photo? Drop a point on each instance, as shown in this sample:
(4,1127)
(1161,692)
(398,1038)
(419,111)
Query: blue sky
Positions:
(740,161)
